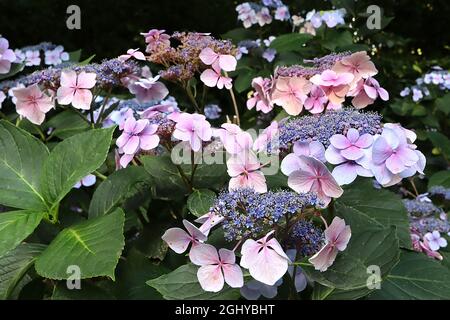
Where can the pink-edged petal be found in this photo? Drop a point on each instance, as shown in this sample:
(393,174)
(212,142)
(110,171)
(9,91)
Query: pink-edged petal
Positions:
(129,125)
(122,140)
(323,259)
(257,181)
(140,126)
(371,92)
(203,254)
(194,231)
(352,153)
(345,173)
(364,141)
(330,187)
(382,174)
(210,278)
(82,99)
(301,181)
(384,95)
(340,141)
(317,150)
(275,245)
(177,239)
(233,275)
(352,135)
(381,150)
(333,155)
(227,256)
(290,164)
(132,145)
(86,80)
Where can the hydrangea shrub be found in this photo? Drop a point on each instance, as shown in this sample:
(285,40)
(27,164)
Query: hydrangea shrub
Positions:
(132,175)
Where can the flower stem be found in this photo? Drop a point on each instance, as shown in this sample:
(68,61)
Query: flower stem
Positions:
(192,98)
(233,99)
(99,175)
(411,180)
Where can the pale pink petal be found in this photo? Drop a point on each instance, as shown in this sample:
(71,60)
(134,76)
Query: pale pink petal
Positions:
(82,99)
(333,155)
(361,100)
(68,78)
(323,259)
(249,251)
(132,145)
(204,254)
(257,181)
(352,153)
(194,231)
(209,77)
(64,95)
(210,278)
(237,183)
(268,266)
(177,239)
(301,181)
(340,141)
(125,159)
(381,150)
(345,173)
(290,164)
(129,125)
(227,62)
(227,256)
(364,141)
(148,142)
(208,56)
(233,275)
(86,80)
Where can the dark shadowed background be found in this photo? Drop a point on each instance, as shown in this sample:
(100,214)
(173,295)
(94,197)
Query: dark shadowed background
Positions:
(111,26)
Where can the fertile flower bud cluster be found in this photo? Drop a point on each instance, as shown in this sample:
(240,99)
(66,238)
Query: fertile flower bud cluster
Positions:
(179,53)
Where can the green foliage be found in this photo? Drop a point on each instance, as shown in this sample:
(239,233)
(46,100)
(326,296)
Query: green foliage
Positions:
(94,246)
(21,159)
(362,209)
(290,42)
(15,264)
(415,277)
(199,201)
(15,226)
(119,186)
